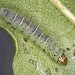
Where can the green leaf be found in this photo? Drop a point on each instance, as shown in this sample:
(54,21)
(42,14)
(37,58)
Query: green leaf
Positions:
(29,58)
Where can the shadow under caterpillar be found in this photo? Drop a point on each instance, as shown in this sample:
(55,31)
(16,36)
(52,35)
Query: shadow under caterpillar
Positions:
(28,28)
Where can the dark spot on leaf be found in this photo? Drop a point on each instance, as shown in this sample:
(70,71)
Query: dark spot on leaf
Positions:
(31,47)
(54,55)
(44,50)
(68,49)
(32,61)
(56,69)
(64,50)
(25,39)
(56,52)
(55,43)
(73,45)
(74,53)
(49,49)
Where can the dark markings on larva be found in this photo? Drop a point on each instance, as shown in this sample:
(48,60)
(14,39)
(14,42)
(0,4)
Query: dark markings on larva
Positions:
(56,49)
(11,17)
(18,19)
(25,24)
(44,37)
(34,31)
(48,42)
(51,45)
(48,72)
(5,12)
(21,21)
(38,33)
(31,28)
(15,17)
(8,14)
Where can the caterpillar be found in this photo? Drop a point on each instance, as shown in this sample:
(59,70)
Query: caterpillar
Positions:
(28,28)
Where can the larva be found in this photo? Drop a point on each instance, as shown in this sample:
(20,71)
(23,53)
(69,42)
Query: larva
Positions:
(24,24)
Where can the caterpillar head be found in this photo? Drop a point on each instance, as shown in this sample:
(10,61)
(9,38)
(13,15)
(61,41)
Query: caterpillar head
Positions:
(63,59)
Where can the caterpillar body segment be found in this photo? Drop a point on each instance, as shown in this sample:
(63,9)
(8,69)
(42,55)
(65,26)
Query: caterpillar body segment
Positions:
(35,33)
(17,19)
(24,24)
(31,29)
(44,37)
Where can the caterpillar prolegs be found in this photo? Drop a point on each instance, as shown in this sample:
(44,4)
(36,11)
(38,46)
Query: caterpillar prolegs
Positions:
(35,33)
